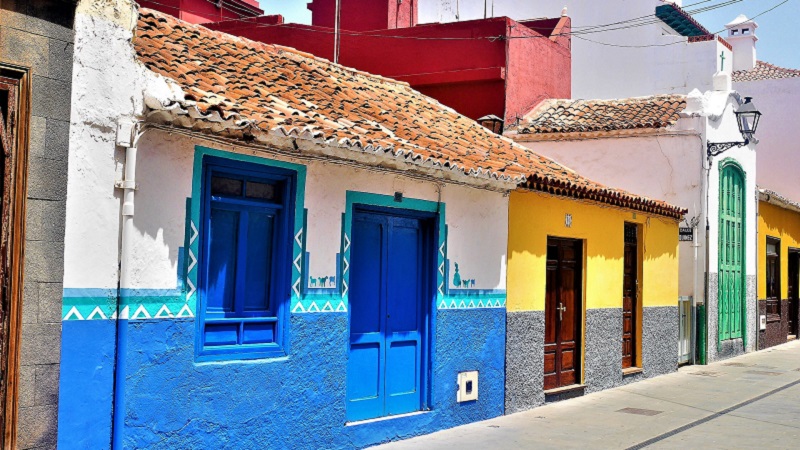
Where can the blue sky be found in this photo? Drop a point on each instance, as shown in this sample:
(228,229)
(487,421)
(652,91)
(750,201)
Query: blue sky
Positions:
(777,44)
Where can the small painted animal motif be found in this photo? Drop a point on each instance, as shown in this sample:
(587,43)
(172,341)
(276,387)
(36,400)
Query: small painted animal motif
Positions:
(313,281)
(323,281)
(333,281)
(472,282)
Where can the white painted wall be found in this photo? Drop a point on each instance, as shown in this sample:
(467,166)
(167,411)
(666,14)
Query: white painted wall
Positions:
(665,64)
(477,219)
(778,134)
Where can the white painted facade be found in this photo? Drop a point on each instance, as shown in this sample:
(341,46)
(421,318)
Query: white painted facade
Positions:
(778,133)
(621,61)
(110,87)
(671,164)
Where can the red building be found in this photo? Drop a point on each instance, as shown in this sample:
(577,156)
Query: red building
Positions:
(204,11)
(495,66)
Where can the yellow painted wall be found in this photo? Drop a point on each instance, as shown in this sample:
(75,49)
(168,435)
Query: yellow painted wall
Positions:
(776,222)
(534,216)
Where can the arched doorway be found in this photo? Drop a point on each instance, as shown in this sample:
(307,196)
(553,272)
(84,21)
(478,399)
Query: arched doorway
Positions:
(732,286)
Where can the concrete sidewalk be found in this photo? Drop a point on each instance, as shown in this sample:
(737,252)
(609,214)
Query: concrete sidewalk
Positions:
(752,401)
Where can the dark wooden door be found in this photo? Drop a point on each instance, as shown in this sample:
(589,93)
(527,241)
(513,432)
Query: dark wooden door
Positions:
(794,285)
(630,285)
(8,116)
(563,312)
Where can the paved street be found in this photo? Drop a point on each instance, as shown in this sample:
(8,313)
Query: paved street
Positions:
(752,401)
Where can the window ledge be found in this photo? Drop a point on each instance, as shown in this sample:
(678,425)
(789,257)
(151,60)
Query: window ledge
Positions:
(631,371)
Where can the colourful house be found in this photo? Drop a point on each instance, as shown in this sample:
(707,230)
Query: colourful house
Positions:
(778,268)
(593,284)
(673,147)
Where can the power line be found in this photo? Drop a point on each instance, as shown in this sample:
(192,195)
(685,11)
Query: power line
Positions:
(594,29)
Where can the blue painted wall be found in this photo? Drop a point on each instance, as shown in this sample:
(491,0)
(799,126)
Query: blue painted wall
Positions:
(294,402)
(86,385)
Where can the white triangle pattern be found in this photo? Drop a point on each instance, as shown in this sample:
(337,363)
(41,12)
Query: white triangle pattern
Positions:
(96,312)
(141,311)
(164,312)
(185,311)
(73,312)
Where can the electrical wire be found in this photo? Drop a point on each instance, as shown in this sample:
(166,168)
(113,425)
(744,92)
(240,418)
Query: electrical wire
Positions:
(593,29)
(634,22)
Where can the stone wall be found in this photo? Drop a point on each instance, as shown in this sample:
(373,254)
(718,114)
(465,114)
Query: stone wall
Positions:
(38,34)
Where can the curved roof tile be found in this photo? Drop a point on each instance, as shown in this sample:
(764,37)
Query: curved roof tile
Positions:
(241,88)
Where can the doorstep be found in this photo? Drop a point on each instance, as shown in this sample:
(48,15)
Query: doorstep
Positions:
(564,393)
(631,371)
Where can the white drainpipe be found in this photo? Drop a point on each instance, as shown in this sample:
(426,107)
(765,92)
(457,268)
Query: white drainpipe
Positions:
(128,134)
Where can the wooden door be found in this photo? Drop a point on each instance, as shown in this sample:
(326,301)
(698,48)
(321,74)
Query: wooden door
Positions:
(14,125)
(388,285)
(563,313)
(630,287)
(793,295)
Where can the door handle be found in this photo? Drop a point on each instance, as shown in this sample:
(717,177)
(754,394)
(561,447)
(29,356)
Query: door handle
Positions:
(561,308)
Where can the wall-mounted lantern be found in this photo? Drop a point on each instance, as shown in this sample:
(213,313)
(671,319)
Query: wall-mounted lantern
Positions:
(747,118)
(492,123)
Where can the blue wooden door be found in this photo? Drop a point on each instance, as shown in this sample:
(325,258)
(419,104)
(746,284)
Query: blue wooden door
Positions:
(387,287)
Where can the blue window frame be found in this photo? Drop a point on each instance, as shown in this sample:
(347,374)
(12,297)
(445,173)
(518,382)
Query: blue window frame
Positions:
(245,260)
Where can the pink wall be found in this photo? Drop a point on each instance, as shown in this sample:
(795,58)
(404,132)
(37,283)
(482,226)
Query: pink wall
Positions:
(538,68)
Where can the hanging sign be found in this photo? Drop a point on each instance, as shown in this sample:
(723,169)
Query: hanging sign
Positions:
(686,234)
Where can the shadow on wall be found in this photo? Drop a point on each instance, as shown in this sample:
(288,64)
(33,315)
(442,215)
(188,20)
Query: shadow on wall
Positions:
(164,177)
(51,11)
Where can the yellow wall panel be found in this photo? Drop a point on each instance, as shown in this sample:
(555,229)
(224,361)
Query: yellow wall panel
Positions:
(784,224)
(533,217)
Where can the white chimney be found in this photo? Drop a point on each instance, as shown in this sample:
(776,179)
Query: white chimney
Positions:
(742,36)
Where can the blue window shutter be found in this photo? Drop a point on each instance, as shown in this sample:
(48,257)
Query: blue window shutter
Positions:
(258,261)
(220,287)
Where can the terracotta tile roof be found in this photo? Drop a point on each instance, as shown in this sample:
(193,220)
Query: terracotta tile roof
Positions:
(577,116)
(764,71)
(239,88)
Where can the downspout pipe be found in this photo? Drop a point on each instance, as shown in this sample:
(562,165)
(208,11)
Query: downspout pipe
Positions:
(128,185)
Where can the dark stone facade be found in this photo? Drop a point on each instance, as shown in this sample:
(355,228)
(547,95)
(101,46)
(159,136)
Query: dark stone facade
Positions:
(38,35)
(603,356)
(524,360)
(603,352)
(777,330)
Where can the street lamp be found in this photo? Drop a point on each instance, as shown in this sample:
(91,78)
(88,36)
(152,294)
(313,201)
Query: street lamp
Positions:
(492,122)
(747,117)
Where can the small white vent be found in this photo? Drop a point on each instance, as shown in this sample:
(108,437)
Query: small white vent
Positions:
(467,386)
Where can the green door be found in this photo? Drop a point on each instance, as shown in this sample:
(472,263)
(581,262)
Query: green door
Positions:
(731,253)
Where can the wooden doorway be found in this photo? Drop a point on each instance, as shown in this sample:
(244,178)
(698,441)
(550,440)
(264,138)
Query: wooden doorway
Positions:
(14,125)
(563,313)
(630,295)
(793,295)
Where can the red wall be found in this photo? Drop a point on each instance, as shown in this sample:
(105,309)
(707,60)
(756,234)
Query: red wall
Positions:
(364,15)
(202,11)
(454,63)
